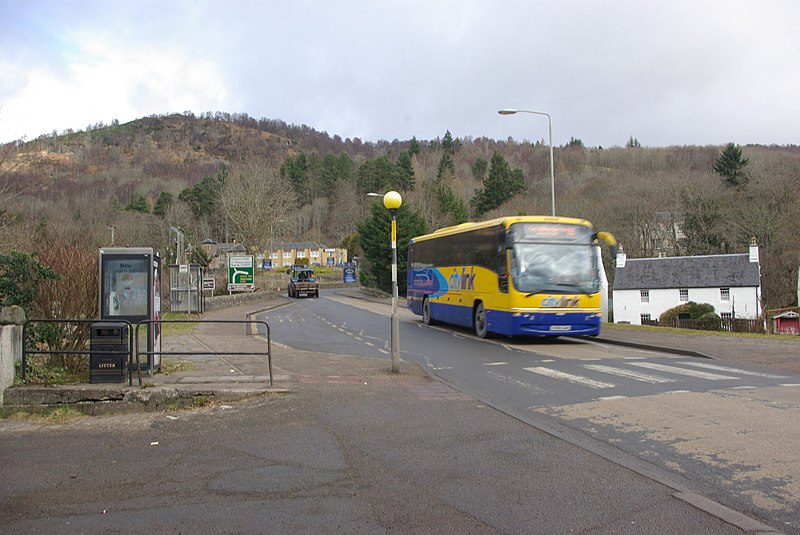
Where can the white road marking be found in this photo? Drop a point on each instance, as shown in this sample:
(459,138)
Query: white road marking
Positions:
(585,381)
(612,398)
(630,374)
(683,371)
(734,370)
(495,363)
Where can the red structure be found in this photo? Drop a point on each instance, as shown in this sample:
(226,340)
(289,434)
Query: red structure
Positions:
(786,323)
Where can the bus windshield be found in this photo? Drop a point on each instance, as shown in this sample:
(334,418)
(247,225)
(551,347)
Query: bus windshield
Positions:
(553,259)
(554,268)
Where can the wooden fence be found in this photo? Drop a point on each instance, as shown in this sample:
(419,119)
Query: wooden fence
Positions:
(713,324)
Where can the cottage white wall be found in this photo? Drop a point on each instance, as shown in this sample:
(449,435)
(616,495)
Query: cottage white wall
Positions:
(628,306)
(747,302)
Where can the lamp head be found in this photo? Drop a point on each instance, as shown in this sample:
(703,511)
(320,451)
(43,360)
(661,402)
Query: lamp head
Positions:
(392,200)
(507,111)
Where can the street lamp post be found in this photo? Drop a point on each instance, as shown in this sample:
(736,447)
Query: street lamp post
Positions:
(179,237)
(392,201)
(550,128)
(271,265)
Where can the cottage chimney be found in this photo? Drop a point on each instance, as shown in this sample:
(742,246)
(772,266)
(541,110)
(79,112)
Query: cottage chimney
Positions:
(621,258)
(753,250)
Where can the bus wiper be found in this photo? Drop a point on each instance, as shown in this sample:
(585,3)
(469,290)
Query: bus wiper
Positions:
(578,289)
(535,292)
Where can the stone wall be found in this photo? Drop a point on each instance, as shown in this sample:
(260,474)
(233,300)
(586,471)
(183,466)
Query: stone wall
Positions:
(226,301)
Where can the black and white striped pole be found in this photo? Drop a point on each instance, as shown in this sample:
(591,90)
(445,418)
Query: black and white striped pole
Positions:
(392,201)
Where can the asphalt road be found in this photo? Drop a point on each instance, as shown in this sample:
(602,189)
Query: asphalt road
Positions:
(388,454)
(357,449)
(728,429)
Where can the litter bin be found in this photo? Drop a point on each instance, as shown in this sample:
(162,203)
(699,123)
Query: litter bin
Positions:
(108,343)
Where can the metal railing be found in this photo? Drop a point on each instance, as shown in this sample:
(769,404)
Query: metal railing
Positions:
(133,352)
(29,351)
(247,324)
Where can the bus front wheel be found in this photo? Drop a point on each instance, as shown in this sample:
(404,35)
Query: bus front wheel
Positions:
(479,321)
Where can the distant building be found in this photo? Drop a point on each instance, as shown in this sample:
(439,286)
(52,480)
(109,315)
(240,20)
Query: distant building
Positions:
(669,233)
(284,254)
(218,253)
(644,288)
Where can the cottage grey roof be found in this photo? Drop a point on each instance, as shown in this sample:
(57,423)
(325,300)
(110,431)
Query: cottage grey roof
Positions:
(230,248)
(713,271)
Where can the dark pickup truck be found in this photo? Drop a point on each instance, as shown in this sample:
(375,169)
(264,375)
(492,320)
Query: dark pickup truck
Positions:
(302,281)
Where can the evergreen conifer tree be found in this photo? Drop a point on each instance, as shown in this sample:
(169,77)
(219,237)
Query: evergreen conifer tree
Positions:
(732,166)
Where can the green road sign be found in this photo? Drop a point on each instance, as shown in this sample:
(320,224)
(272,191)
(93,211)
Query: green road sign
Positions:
(240,273)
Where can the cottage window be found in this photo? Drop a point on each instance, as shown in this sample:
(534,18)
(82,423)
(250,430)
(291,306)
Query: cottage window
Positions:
(684,293)
(645,295)
(724,294)
(301,254)
(287,254)
(726,316)
(314,254)
(644,318)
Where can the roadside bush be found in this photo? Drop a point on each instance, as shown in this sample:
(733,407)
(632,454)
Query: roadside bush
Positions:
(694,310)
(21,275)
(73,295)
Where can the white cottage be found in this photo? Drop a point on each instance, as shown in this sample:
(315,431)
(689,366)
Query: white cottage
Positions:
(644,288)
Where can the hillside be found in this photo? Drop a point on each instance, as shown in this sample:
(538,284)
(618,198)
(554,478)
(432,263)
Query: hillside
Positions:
(76,186)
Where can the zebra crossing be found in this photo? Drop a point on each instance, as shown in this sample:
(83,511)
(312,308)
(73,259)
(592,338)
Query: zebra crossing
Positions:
(606,376)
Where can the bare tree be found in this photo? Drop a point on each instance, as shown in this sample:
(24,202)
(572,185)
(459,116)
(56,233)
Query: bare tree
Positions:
(253,198)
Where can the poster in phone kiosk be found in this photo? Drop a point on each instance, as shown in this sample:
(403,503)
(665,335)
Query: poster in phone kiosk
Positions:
(130,289)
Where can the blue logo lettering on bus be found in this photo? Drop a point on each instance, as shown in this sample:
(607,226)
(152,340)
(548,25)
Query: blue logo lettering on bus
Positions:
(428,281)
(463,280)
(563,302)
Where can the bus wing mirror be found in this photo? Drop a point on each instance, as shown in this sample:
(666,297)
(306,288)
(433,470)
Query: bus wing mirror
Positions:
(608,239)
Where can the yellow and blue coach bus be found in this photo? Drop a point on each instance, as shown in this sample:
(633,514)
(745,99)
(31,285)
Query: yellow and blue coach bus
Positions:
(527,275)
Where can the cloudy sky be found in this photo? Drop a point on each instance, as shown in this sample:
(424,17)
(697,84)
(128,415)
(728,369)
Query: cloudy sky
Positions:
(677,72)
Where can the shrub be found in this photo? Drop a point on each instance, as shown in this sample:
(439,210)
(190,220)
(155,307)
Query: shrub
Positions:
(694,311)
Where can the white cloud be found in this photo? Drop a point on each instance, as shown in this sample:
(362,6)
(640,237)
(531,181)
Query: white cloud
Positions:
(103,79)
(679,72)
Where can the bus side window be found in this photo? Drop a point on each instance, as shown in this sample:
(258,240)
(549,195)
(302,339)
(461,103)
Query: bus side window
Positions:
(502,263)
